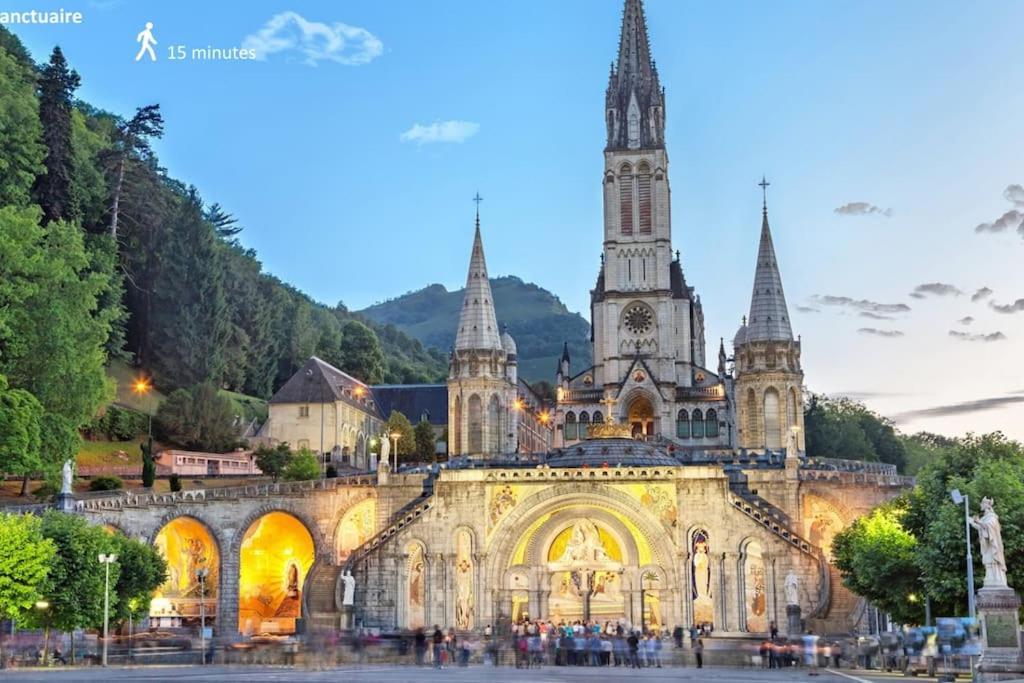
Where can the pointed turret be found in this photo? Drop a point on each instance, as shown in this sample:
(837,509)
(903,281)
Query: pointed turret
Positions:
(635,102)
(769,317)
(478,325)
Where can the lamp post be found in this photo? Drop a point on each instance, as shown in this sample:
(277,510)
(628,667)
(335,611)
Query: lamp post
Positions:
(959,498)
(394,446)
(42,606)
(201,574)
(106,560)
(133,605)
(142,387)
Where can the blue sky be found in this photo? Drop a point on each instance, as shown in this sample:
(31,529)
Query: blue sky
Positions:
(911,107)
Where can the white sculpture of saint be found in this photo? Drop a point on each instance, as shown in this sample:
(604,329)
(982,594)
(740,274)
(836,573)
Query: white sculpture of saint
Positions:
(385,451)
(991,537)
(349,592)
(584,544)
(792,588)
(67,474)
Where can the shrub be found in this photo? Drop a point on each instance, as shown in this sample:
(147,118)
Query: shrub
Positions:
(118,424)
(175,482)
(106,484)
(302,466)
(46,491)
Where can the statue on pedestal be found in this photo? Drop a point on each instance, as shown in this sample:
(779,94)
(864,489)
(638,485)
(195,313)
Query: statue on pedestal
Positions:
(67,474)
(991,537)
(349,589)
(385,451)
(792,589)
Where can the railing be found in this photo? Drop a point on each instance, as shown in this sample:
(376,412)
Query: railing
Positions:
(841,465)
(123,499)
(715,392)
(583,396)
(407,514)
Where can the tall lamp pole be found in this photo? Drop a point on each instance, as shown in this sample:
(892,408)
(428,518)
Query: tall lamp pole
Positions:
(106,560)
(959,498)
(201,574)
(394,442)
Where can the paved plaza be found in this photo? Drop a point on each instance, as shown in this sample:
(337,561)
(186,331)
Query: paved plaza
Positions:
(401,674)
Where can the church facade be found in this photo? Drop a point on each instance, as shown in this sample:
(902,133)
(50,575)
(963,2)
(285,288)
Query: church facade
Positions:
(673,494)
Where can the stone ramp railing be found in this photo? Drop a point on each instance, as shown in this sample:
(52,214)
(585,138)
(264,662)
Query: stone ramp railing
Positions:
(405,516)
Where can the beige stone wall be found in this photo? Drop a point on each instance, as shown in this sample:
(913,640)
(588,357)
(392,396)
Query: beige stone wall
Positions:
(344,426)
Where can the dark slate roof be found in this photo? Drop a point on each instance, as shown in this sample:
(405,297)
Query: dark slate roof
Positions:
(318,381)
(611,452)
(414,401)
(680,290)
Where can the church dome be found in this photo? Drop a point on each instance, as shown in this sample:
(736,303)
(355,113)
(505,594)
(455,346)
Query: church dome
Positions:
(508,343)
(611,452)
(741,336)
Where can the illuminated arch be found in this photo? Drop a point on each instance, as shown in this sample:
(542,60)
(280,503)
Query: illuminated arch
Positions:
(188,545)
(275,555)
(356,527)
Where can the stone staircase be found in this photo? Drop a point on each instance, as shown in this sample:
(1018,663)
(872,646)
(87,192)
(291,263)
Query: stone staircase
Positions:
(320,604)
(845,609)
(773,520)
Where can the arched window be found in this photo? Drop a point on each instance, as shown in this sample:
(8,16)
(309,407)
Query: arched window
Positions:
(711,423)
(772,420)
(643,191)
(475,428)
(571,431)
(683,425)
(626,200)
(584,425)
(598,418)
(697,425)
(751,421)
(794,406)
(494,425)
(455,447)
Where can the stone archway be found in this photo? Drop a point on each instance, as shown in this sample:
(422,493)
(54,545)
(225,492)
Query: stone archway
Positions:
(640,415)
(189,547)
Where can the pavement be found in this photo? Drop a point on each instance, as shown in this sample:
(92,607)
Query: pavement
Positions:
(402,674)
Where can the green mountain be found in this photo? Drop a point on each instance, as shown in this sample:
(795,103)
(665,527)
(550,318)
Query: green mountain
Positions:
(536,318)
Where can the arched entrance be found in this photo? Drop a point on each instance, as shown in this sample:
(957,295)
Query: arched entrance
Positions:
(276,554)
(189,548)
(356,527)
(641,416)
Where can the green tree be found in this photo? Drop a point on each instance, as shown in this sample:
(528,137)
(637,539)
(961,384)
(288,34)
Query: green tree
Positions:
(20,433)
(302,466)
(53,330)
(21,152)
(877,558)
(425,441)
(130,145)
(57,85)
(272,460)
(200,418)
(842,428)
(23,564)
(141,571)
(361,353)
(75,584)
(398,423)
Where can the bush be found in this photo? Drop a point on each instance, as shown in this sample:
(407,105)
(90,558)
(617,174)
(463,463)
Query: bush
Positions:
(175,482)
(118,424)
(106,484)
(46,491)
(302,466)
(332,471)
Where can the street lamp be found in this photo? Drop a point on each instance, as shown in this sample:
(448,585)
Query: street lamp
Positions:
(959,498)
(106,560)
(141,387)
(133,605)
(201,574)
(394,446)
(42,606)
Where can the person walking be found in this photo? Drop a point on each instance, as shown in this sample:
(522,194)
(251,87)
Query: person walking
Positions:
(698,652)
(634,645)
(420,646)
(438,643)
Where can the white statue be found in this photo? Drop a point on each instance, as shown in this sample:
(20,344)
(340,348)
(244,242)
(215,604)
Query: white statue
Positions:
(67,474)
(991,537)
(348,596)
(385,451)
(792,588)
(584,544)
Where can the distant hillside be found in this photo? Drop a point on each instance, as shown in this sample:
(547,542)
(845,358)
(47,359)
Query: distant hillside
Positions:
(537,319)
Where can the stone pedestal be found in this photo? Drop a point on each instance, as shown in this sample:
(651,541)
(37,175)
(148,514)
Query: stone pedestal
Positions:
(998,612)
(348,618)
(383,472)
(66,502)
(794,628)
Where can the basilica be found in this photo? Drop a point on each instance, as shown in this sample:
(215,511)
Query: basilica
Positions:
(654,490)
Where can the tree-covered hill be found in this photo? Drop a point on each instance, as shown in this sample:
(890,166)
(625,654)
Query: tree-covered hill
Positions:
(536,318)
(104,257)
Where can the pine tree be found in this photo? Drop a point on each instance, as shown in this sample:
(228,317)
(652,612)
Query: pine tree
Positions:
(131,143)
(57,85)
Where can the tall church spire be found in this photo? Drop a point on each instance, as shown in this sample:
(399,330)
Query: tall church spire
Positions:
(634,102)
(769,317)
(478,325)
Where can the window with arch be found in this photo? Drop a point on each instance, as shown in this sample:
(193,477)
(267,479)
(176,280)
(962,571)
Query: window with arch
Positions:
(456,430)
(711,423)
(682,425)
(598,418)
(475,426)
(794,402)
(626,199)
(584,425)
(772,420)
(643,191)
(494,424)
(697,424)
(571,431)
(750,423)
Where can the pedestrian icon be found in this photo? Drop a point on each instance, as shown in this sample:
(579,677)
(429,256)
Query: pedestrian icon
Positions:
(147,40)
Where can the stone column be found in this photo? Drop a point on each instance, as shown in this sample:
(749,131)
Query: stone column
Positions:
(773,594)
(687,564)
(226,625)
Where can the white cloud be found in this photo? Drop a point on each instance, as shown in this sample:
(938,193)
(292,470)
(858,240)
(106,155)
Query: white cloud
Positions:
(315,41)
(441,131)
